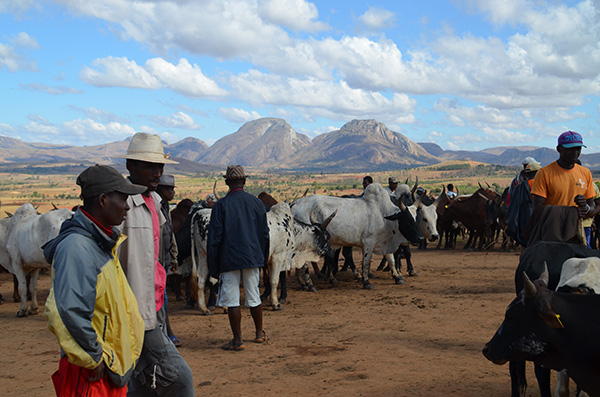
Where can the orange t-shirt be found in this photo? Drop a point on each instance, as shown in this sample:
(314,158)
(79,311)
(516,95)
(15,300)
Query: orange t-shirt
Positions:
(559,186)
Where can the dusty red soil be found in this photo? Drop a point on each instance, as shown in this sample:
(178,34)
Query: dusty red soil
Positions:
(419,339)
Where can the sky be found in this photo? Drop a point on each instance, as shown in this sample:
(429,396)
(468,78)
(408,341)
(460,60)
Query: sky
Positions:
(465,74)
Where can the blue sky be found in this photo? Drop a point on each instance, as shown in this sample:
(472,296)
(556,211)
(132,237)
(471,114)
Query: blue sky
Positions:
(465,74)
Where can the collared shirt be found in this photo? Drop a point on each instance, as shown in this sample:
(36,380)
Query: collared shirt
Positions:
(238,234)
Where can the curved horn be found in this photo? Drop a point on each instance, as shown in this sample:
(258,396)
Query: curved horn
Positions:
(545,276)
(215,190)
(418,202)
(312,217)
(401,205)
(457,192)
(528,287)
(306,191)
(488,185)
(54,206)
(8,214)
(483,197)
(479,183)
(406,181)
(328,220)
(414,189)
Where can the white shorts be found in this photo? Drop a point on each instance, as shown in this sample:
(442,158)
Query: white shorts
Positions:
(229,287)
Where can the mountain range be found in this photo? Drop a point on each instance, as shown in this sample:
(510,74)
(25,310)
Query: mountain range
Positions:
(271,144)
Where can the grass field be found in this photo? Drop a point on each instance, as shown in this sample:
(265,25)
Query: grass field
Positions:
(60,189)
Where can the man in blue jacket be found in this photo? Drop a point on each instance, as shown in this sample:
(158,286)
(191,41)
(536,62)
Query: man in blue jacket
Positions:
(237,247)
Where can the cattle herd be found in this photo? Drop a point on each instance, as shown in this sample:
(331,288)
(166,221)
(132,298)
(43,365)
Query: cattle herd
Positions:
(552,321)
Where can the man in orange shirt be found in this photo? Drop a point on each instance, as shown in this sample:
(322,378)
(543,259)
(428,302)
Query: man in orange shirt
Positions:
(564,182)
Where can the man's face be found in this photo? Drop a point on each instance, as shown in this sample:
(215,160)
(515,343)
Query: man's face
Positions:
(167,193)
(114,208)
(393,185)
(145,173)
(365,183)
(569,156)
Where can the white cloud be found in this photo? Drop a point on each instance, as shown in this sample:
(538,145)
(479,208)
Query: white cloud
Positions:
(11,56)
(177,120)
(377,18)
(24,40)
(82,131)
(184,78)
(239,115)
(329,99)
(18,7)
(57,90)
(221,28)
(99,114)
(118,72)
(294,14)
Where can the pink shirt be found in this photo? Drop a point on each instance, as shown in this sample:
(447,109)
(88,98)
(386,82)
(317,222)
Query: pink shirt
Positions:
(160,274)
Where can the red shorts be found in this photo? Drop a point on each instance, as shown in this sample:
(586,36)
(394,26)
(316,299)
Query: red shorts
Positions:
(73,381)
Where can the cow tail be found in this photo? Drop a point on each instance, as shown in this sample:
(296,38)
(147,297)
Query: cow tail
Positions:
(194,279)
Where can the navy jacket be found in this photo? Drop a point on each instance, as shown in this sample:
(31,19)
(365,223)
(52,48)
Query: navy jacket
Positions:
(238,234)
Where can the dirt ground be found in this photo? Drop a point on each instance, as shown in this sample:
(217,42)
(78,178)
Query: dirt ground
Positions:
(423,338)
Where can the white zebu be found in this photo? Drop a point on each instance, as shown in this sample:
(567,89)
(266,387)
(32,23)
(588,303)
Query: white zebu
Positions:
(28,231)
(371,222)
(291,244)
(426,217)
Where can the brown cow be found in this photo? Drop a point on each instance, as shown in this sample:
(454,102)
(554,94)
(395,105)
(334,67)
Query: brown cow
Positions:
(471,212)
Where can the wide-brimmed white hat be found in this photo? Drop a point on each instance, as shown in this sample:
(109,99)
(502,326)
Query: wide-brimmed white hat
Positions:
(147,147)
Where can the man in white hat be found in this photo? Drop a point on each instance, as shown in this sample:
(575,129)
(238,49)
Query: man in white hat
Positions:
(160,370)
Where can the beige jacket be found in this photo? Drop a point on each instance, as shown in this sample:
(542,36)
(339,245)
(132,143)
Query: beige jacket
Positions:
(136,254)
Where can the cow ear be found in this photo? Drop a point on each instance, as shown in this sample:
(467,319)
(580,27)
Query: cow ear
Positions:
(550,317)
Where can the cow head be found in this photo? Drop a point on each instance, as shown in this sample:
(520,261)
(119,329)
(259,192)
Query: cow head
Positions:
(321,235)
(528,325)
(427,219)
(407,225)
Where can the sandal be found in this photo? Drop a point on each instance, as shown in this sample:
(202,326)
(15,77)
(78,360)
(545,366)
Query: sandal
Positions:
(261,339)
(231,345)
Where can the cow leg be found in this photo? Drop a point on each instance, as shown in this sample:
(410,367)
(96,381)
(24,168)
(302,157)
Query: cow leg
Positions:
(304,279)
(562,384)
(367,253)
(331,266)
(16,295)
(202,277)
(409,266)
(348,261)
(518,380)
(543,377)
(274,278)
(283,282)
(213,290)
(318,273)
(33,289)
(398,278)
(20,274)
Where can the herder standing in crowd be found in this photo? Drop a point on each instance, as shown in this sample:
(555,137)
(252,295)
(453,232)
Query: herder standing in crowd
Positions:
(161,370)
(91,308)
(564,182)
(392,185)
(237,247)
